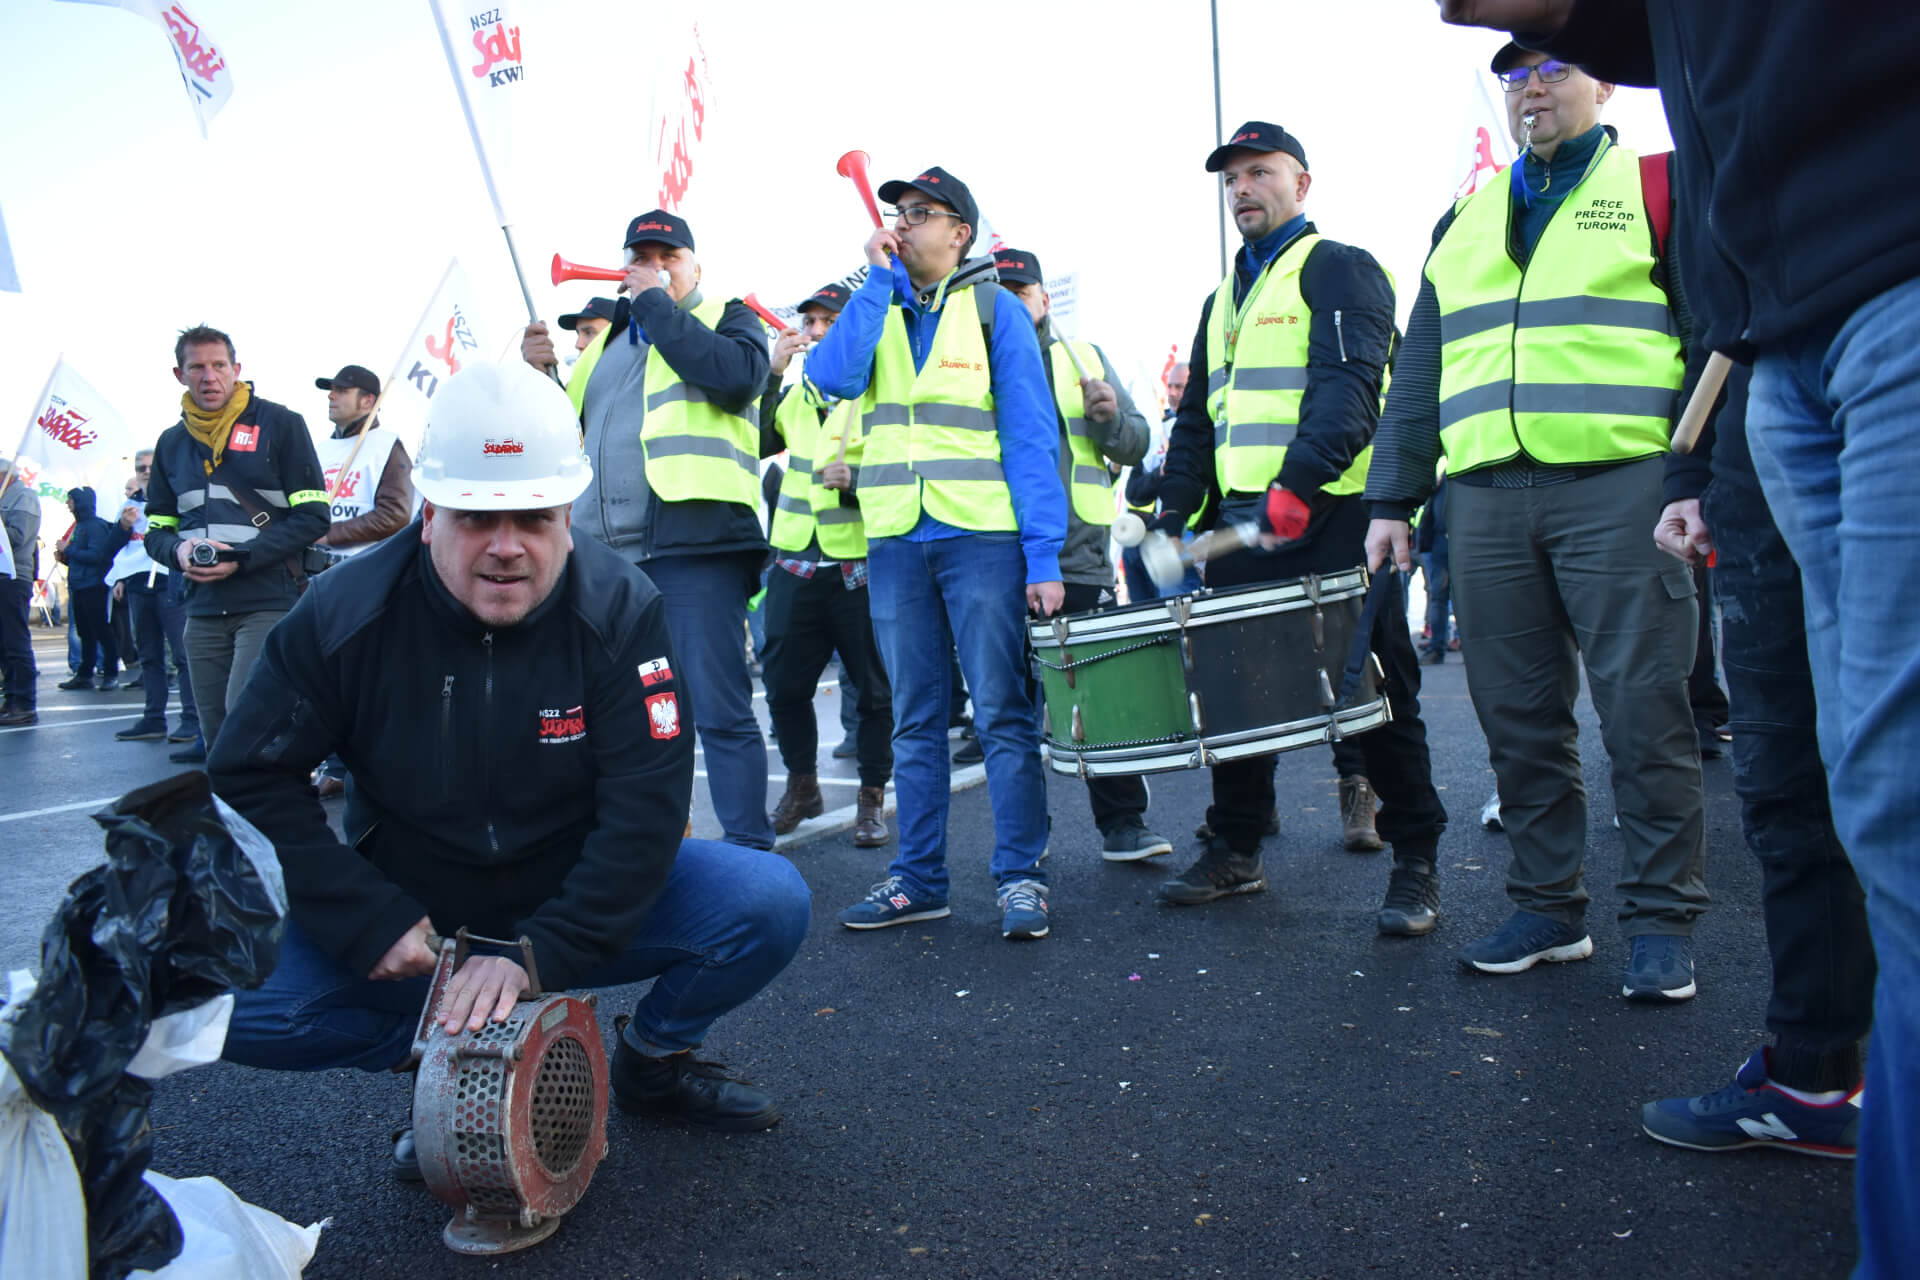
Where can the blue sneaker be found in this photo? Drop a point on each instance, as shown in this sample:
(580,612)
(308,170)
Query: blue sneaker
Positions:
(1753,1112)
(1524,941)
(891,902)
(1660,968)
(1023,910)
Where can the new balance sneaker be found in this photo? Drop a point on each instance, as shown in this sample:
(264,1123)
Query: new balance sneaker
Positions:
(1659,968)
(143,731)
(1755,1112)
(1524,941)
(1412,904)
(1130,841)
(1023,910)
(683,1087)
(891,902)
(1218,872)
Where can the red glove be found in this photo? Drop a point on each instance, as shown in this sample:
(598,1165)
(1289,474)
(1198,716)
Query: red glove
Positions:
(1287,514)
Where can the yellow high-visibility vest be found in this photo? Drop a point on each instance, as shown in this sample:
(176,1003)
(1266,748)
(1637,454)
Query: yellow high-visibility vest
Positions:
(694,448)
(1574,358)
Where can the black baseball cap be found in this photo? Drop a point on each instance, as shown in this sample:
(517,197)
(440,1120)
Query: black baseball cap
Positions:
(1018,266)
(596,309)
(830,296)
(942,186)
(1257,135)
(1508,57)
(667,228)
(353,375)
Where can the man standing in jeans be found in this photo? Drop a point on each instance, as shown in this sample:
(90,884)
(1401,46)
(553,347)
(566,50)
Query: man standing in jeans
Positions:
(235,496)
(20,530)
(960,491)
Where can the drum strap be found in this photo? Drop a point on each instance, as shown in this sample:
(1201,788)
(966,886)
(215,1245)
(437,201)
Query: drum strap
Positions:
(1386,585)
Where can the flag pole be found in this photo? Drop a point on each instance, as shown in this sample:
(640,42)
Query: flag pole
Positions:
(13,468)
(486,169)
(380,398)
(1219,133)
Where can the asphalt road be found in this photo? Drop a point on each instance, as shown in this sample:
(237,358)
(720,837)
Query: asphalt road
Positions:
(1258,1087)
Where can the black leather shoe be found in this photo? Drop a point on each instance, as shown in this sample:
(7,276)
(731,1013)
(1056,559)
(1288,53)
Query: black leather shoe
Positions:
(406,1161)
(16,716)
(682,1087)
(192,753)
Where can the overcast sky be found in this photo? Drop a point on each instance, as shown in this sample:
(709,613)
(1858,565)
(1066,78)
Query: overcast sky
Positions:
(339,179)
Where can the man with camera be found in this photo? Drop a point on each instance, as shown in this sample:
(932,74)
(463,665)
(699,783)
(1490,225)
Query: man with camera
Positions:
(235,496)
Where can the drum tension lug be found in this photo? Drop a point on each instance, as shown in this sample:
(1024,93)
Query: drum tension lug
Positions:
(1079,728)
(1193,710)
(1326,690)
(1186,652)
(1319,631)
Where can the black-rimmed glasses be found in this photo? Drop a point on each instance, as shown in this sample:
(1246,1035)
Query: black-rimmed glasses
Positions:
(915,214)
(1552,71)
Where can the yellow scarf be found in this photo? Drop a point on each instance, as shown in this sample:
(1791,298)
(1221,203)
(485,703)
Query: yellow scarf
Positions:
(212,429)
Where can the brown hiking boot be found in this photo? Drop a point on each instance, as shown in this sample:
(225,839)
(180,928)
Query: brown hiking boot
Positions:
(802,801)
(869,832)
(1357,805)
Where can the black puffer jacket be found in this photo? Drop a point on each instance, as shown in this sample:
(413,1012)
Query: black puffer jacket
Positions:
(528,779)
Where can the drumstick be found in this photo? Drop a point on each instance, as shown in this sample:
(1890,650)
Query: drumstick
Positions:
(1700,404)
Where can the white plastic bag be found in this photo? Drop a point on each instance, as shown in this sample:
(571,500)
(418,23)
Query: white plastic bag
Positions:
(191,1038)
(227,1238)
(43,1213)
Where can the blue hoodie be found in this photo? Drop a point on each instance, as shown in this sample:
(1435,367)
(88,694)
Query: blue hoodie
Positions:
(90,549)
(842,365)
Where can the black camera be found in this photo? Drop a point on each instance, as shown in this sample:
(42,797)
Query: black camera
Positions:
(204,554)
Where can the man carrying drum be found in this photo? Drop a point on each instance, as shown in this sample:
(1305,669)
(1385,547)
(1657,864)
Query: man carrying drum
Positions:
(1099,425)
(1293,345)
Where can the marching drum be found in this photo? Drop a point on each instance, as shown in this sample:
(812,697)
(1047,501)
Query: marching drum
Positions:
(1198,679)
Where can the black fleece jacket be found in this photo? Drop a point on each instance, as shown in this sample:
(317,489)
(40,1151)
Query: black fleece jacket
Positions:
(1348,347)
(528,779)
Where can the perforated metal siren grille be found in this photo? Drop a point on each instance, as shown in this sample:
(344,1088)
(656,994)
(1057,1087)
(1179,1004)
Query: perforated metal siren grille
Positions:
(563,1110)
(479,1139)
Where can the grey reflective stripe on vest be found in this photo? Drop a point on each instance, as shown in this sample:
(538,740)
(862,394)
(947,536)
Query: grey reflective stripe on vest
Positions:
(799,506)
(678,391)
(701,447)
(194,499)
(1485,398)
(838,515)
(234,533)
(888,414)
(797,463)
(1270,378)
(1077,427)
(1478,318)
(959,469)
(1593,398)
(876,475)
(1613,313)
(1216,382)
(1263,435)
(1083,474)
(958,416)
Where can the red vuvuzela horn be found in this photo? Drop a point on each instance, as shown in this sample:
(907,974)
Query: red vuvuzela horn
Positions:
(854,165)
(564,271)
(765,312)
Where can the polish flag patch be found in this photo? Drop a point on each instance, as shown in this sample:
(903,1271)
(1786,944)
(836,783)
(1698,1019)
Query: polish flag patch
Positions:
(663,715)
(655,672)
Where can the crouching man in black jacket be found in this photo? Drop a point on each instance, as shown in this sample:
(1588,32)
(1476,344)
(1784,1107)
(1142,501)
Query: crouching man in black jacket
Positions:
(511,708)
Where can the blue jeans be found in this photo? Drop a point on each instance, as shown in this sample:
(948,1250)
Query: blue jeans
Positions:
(926,596)
(706,600)
(1439,594)
(1834,419)
(159,625)
(728,922)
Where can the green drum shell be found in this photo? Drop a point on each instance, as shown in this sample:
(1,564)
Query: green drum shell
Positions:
(1199,679)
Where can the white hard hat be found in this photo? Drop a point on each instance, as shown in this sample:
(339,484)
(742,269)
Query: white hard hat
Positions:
(501,437)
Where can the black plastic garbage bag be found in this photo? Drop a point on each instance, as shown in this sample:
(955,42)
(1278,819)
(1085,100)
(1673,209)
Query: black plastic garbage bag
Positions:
(190,904)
